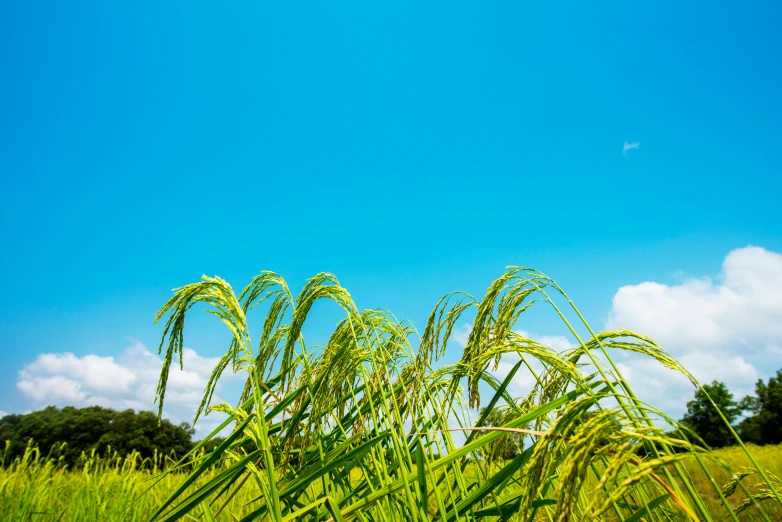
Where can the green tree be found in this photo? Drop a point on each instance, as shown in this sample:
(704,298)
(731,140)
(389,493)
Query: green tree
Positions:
(703,418)
(141,432)
(765,425)
(94,427)
(212,443)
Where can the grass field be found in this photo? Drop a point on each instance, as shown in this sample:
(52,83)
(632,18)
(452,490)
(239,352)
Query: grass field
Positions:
(104,489)
(770,457)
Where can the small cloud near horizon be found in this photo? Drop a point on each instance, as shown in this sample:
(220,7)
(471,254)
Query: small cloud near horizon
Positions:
(630,146)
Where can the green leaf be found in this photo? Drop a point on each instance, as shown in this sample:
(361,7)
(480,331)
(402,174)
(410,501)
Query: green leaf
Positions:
(489,485)
(205,464)
(647,509)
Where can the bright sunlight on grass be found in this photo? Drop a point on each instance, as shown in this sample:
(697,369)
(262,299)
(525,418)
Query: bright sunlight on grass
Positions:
(363,427)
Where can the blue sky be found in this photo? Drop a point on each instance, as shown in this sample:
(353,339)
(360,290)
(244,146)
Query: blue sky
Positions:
(410,149)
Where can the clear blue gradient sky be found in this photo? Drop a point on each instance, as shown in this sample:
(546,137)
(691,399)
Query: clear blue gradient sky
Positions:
(409,148)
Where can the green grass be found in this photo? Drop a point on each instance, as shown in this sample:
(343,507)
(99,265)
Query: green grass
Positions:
(361,428)
(105,488)
(769,457)
(99,488)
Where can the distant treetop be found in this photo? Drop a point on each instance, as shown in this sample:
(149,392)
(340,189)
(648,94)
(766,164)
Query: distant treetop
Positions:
(94,427)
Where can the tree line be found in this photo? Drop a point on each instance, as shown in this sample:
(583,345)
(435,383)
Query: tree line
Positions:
(756,418)
(93,428)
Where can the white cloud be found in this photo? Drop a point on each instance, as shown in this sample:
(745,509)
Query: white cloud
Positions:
(733,370)
(726,329)
(558,343)
(524,380)
(129,381)
(100,374)
(739,312)
(461,334)
(3,414)
(629,146)
(669,390)
(653,383)
(55,386)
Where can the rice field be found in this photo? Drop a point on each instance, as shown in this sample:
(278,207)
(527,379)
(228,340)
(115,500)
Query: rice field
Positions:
(770,457)
(116,489)
(362,428)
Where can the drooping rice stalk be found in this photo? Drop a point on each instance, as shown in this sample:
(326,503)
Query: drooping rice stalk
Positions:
(361,428)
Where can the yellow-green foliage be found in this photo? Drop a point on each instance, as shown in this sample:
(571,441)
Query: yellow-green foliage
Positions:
(735,461)
(361,428)
(105,488)
(100,488)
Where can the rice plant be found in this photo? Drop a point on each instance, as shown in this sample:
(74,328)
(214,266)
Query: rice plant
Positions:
(363,427)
